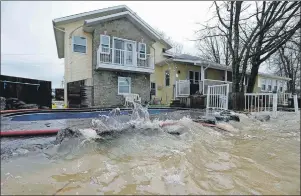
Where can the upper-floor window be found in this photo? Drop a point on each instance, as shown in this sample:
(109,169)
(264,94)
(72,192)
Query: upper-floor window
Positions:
(79,44)
(269,87)
(167,78)
(275,88)
(280,89)
(263,84)
(142,51)
(104,44)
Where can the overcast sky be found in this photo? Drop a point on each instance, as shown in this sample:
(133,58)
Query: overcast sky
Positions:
(27,39)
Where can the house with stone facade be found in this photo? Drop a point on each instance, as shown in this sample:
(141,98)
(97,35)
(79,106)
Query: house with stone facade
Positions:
(112,51)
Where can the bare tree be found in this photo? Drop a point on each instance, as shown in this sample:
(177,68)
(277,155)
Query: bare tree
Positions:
(253,33)
(276,24)
(177,48)
(287,62)
(213,48)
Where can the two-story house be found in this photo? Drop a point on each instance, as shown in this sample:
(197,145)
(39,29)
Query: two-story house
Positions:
(112,50)
(115,52)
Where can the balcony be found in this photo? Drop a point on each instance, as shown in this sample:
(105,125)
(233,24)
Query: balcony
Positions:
(124,60)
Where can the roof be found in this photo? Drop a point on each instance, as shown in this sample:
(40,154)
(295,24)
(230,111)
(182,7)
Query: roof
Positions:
(90,24)
(187,58)
(99,16)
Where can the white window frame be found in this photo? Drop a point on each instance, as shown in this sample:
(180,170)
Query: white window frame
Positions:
(269,90)
(194,76)
(139,53)
(79,44)
(130,83)
(109,48)
(199,77)
(165,78)
(263,82)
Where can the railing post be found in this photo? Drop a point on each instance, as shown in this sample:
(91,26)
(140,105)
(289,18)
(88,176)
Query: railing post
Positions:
(207,101)
(295,103)
(275,105)
(112,55)
(227,96)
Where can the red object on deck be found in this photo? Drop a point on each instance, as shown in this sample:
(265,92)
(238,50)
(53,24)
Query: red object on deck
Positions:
(28,132)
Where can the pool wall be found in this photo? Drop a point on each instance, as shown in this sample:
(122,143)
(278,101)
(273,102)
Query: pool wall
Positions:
(36,115)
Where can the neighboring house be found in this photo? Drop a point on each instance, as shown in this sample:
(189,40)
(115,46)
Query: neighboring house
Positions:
(112,50)
(177,70)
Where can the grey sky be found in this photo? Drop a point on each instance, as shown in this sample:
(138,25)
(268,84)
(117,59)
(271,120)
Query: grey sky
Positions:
(27,39)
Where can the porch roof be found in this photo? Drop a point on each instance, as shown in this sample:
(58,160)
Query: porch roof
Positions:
(198,61)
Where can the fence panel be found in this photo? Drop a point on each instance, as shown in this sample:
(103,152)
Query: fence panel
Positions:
(261,102)
(217,97)
(283,98)
(182,88)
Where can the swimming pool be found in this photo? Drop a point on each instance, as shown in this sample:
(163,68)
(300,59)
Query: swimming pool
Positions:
(75,114)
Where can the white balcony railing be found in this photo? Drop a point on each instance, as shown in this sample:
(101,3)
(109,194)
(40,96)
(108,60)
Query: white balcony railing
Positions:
(123,58)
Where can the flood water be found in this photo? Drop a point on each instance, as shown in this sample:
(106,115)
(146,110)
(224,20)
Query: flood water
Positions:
(254,158)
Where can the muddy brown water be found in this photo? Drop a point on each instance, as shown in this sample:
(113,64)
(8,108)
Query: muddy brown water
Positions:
(254,158)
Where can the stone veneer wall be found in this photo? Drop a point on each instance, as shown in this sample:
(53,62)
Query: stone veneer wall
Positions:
(106,87)
(105,82)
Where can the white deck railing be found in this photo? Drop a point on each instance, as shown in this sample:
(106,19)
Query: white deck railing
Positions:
(217,97)
(203,85)
(182,88)
(283,98)
(261,102)
(124,58)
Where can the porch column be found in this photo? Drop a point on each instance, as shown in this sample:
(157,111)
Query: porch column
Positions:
(226,75)
(202,73)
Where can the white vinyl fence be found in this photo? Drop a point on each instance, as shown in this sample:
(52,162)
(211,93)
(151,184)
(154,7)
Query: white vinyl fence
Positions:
(182,88)
(296,103)
(261,102)
(283,98)
(217,97)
